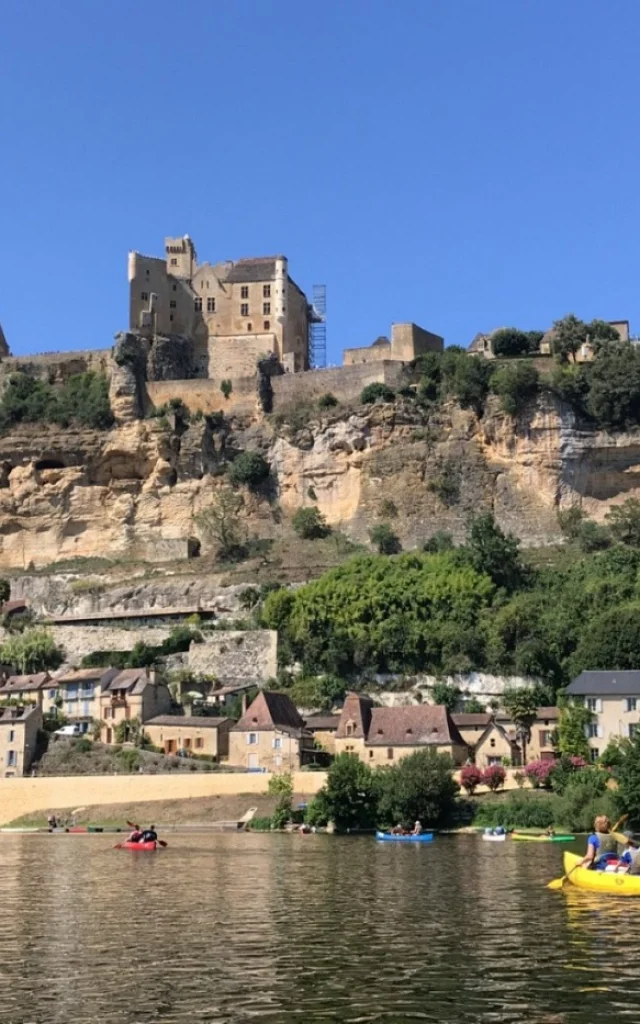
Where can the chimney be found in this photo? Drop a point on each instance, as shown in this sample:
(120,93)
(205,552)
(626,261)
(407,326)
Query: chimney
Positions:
(244,703)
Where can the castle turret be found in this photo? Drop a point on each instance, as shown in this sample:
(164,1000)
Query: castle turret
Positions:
(181,257)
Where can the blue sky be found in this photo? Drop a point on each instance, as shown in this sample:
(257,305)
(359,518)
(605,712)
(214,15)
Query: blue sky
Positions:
(464,164)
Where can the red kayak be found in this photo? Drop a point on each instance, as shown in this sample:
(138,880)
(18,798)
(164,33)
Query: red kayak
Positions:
(138,846)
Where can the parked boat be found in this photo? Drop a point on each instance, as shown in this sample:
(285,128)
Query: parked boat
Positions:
(489,837)
(600,881)
(422,837)
(523,837)
(147,847)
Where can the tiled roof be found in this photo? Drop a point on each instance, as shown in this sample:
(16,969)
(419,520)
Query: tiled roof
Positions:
(270,709)
(324,722)
(412,726)
(355,717)
(8,715)
(262,268)
(189,721)
(83,675)
(133,679)
(547,713)
(599,683)
(32,682)
(471,718)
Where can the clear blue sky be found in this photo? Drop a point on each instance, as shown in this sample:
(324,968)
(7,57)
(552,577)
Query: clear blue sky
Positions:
(464,164)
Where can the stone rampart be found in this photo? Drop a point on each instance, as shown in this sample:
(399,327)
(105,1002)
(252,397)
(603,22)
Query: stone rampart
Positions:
(237,655)
(57,367)
(344,382)
(206,395)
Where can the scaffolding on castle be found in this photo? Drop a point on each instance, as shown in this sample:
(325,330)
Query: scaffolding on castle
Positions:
(318,327)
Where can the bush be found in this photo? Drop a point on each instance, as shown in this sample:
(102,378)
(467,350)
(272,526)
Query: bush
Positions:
(420,787)
(376,393)
(83,398)
(441,541)
(309,523)
(249,468)
(386,541)
(35,650)
(226,387)
(564,770)
(509,341)
(470,778)
(83,746)
(494,777)
(518,810)
(327,401)
(515,385)
(539,773)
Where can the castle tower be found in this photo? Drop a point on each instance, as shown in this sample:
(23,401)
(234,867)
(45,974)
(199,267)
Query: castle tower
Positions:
(181,257)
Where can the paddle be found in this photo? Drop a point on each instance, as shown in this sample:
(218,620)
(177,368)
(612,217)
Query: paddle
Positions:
(557,883)
(131,824)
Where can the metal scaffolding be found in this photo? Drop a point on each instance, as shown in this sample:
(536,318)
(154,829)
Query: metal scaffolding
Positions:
(318,327)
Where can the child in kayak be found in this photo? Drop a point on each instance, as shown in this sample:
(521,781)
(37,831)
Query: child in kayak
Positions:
(629,861)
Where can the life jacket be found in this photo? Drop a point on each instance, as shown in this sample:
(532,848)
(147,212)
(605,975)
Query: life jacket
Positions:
(607,846)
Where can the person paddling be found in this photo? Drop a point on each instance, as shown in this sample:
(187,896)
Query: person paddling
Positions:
(149,835)
(629,862)
(600,844)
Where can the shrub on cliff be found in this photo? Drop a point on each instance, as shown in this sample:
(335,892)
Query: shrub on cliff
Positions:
(35,650)
(515,384)
(376,392)
(249,468)
(309,523)
(509,341)
(83,398)
(385,540)
(327,401)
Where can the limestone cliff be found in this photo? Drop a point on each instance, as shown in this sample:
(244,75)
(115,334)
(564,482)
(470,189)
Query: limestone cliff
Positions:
(132,493)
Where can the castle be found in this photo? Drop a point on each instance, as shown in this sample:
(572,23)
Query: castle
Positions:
(233,313)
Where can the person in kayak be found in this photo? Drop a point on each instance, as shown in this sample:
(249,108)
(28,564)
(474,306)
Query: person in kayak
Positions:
(417,829)
(600,844)
(629,861)
(149,835)
(397,830)
(135,835)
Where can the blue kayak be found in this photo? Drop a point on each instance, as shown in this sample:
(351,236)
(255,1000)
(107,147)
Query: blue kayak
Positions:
(424,837)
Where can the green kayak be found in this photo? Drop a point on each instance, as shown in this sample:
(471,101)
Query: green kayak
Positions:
(541,839)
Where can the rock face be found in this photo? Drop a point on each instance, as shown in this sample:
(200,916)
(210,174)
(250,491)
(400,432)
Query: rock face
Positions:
(134,492)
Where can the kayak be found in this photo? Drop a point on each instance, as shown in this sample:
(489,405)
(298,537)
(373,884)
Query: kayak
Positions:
(138,846)
(542,839)
(423,837)
(493,839)
(600,881)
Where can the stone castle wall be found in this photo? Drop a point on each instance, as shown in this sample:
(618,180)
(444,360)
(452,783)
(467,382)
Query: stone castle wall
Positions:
(237,655)
(344,382)
(206,396)
(57,367)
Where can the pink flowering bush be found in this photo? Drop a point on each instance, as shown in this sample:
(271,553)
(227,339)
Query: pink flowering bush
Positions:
(538,773)
(494,776)
(470,778)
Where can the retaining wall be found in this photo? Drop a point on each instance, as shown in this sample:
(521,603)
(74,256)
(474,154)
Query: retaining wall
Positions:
(344,382)
(206,396)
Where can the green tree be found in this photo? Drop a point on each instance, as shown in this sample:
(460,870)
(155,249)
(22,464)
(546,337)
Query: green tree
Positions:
(35,650)
(309,523)
(318,692)
(611,641)
(385,540)
(473,706)
(624,522)
(469,382)
(570,521)
(376,392)
(350,796)
(569,335)
(421,788)
(494,553)
(522,707)
(515,384)
(226,386)
(440,541)
(612,382)
(509,341)
(446,695)
(572,740)
(281,787)
(220,525)
(249,468)
(5,590)
(627,776)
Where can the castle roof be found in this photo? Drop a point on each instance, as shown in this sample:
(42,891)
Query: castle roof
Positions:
(260,268)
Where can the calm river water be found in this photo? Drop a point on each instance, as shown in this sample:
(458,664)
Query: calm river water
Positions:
(244,928)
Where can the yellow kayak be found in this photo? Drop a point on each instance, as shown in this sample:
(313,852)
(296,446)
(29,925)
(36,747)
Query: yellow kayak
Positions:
(600,881)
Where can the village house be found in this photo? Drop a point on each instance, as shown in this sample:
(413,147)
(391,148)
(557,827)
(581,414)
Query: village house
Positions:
(384,735)
(190,734)
(18,738)
(323,728)
(614,700)
(36,688)
(492,739)
(496,745)
(481,345)
(79,691)
(271,736)
(134,694)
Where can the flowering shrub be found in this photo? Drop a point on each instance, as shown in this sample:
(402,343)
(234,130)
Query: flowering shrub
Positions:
(494,776)
(565,770)
(538,773)
(470,778)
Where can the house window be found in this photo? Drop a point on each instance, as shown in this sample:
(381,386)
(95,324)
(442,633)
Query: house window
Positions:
(371,753)
(211,305)
(266,291)
(244,309)
(11,759)
(267,325)
(493,760)
(199,743)
(12,735)
(389,753)
(144,296)
(350,729)
(86,709)
(632,703)
(592,731)
(197,305)
(173,304)
(108,712)
(252,738)
(492,743)
(546,738)
(591,704)
(244,292)
(174,262)
(249,327)
(277,761)
(53,694)
(187,743)
(595,753)
(277,743)
(266,308)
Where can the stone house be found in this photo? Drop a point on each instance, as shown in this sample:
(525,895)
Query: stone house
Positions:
(18,738)
(496,746)
(194,734)
(35,689)
(481,345)
(384,735)
(271,736)
(475,728)
(133,693)
(614,700)
(323,728)
(234,313)
(80,691)
(543,743)
(407,342)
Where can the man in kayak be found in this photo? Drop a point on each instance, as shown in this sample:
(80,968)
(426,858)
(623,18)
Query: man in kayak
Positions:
(629,861)
(600,844)
(149,835)
(398,830)
(135,836)
(417,829)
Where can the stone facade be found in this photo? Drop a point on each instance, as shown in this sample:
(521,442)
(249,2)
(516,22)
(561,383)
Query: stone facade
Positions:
(18,739)
(408,341)
(196,735)
(250,303)
(234,656)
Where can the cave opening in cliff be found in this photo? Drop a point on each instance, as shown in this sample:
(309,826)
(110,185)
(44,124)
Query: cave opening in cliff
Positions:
(49,464)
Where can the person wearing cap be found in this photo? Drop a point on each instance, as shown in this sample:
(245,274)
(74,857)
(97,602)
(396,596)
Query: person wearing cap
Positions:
(629,862)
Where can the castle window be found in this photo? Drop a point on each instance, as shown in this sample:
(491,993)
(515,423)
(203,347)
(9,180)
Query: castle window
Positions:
(249,327)
(266,291)
(266,308)
(171,317)
(175,287)
(244,291)
(267,325)
(144,296)
(244,309)
(172,304)
(197,305)
(174,262)
(389,753)
(211,305)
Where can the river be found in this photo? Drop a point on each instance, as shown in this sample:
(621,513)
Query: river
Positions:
(245,928)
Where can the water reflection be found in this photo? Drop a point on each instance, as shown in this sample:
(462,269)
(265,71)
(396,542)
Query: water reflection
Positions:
(231,929)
